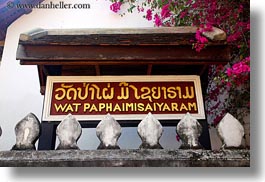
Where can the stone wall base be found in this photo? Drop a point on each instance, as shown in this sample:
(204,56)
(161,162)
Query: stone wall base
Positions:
(126,158)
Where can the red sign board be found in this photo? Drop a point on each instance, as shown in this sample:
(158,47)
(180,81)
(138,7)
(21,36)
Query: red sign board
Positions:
(124,97)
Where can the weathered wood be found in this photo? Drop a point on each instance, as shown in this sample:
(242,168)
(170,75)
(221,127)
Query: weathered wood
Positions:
(58,54)
(124,36)
(99,51)
(149,69)
(119,63)
(97,70)
(33,34)
(42,78)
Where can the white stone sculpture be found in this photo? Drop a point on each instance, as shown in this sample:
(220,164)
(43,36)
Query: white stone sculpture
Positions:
(27,133)
(108,131)
(189,131)
(230,131)
(150,130)
(68,132)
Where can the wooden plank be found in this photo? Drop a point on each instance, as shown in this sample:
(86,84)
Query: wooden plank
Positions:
(33,34)
(97,68)
(205,67)
(149,69)
(81,63)
(111,31)
(121,36)
(63,54)
(78,70)
(42,78)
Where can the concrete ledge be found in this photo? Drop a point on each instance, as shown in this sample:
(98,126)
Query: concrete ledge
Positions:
(126,158)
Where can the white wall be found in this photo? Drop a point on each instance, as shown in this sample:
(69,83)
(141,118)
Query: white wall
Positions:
(19,85)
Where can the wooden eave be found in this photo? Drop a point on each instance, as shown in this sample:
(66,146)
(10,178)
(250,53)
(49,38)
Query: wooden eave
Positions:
(117,51)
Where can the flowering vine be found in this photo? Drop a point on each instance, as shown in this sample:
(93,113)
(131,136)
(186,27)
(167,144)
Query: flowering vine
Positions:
(115,7)
(229,85)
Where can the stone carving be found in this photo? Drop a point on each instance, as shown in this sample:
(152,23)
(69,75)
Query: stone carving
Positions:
(27,133)
(230,131)
(189,131)
(108,131)
(68,132)
(150,131)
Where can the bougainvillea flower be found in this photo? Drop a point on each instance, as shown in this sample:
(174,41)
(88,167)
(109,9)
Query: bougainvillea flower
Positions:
(158,21)
(115,7)
(149,14)
(165,12)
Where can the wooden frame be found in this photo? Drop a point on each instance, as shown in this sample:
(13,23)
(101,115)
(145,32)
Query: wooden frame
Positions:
(70,79)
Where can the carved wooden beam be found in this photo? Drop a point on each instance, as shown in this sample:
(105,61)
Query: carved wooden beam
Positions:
(101,51)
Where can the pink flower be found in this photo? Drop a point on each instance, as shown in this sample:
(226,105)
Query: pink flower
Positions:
(201,41)
(240,9)
(247,59)
(183,14)
(228,84)
(158,21)
(233,37)
(239,68)
(115,7)
(229,72)
(248,26)
(200,38)
(149,14)
(165,12)
(189,2)
(208,27)
(194,6)
(198,47)
(140,9)
(219,68)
